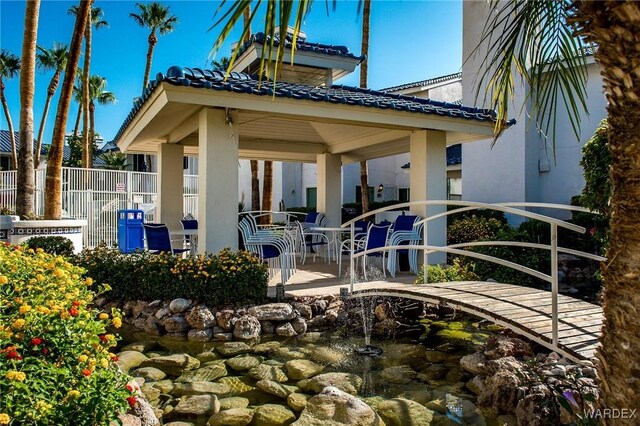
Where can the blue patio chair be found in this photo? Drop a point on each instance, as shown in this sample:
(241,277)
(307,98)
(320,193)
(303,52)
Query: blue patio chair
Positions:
(158,239)
(305,238)
(404,233)
(360,234)
(189,224)
(376,237)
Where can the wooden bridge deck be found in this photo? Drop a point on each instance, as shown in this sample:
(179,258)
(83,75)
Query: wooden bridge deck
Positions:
(526,311)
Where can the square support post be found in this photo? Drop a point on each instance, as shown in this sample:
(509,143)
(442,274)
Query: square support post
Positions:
(217,180)
(330,188)
(428,181)
(170,185)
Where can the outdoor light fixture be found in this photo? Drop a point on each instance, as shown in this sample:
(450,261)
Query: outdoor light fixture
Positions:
(380,189)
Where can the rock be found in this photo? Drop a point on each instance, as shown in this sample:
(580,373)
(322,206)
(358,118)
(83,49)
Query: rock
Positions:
(435,356)
(173,365)
(273,415)
(243,362)
(346,382)
(475,363)
(201,388)
(201,317)
(179,305)
(145,413)
(286,330)
(208,373)
(232,417)
(140,381)
(476,385)
(317,322)
(238,385)
(437,405)
(180,424)
(224,319)
(275,388)
(333,407)
(268,327)
(150,373)
(507,420)
(500,346)
(535,409)
(305,311)
(198,405)
(318,307)
(195,335)
(401,374)
(509,364)
(151,393)
(311,337)
(234,348)
(130,359)
(164,386)
(297,401)
(382,311)
(266,347)
(272,312)
(233,402)
(175,324)
(331,315)
(222,337)
(404,412)
(434,372)
(268,372)
(500,392)
(143,346)
(288,353)
(327,355)
(207,356)
(299,325)
(299,369)
(152,327)
(247,327)
(127,420)
(163,313)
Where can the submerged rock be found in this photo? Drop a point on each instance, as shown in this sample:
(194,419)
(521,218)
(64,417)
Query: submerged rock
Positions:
(232,417)
(401,374)
(201,388)
(268,372)
(150,373)
(198,405)
(404,412)
(297,401)
(299,369)
(273,415)
(234,348)
(275,388)
(346,382)
(244,362)
(333,407)
(233,402)
(207,373)
(128,360)
(173,365)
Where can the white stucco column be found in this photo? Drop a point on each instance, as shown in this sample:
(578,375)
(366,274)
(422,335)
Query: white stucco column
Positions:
(170,197)
(428,181)
(218,181)
(330,188)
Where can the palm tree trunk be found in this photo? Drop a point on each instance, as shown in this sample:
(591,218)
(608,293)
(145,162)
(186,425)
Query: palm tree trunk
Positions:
(152,43)
(12,136)
(25,192)
(86,140)
(53,85)
(53,186)
(609,24)
(364,176)
(267,190)
(92,132)
(77,125)
(255,185)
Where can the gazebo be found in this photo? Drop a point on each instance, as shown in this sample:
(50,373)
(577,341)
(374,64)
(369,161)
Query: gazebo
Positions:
(189,111)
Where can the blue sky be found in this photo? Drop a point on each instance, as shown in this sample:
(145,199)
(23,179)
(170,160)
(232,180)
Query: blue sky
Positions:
(410,41)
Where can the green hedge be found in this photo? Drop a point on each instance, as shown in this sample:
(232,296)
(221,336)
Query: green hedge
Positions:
(228,277)
(56,245)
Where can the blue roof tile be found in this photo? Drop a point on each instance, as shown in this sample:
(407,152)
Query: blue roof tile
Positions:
(454,156)
(338,94)
(423,83)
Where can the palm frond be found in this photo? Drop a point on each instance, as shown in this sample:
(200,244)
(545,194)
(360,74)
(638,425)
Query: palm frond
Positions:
(9,64)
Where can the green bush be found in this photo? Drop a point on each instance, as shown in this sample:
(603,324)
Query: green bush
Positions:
(474,228)
(56,245)
(482,213)
(458,271)
(224,278)
(55,365)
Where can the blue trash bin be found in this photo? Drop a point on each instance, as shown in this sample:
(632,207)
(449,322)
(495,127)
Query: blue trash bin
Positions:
(130,230)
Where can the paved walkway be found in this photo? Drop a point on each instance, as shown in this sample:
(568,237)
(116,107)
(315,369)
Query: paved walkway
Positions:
(524,310)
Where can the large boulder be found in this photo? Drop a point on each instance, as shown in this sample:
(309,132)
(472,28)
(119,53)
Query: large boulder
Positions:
(173,365)
(198,405)
(179,305)
(176,324)
(247,327)
(299,369)
(272,312)
(201,317)
(346,382)
(232,417)
(404,412)
(333,407)
(299,325)
(475,363)
(225,319)
(130,359)
(500,392)
(500,346)
(273,415)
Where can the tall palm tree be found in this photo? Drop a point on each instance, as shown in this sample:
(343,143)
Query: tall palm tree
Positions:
(9,68)
(364,177)
(25,175)
(115,160)
(53,185)
(94,20)
(157,18)
(97,93)
(222,64)
(50,59)
(77,97)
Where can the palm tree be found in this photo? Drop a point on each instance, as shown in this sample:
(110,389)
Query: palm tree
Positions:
(364,178)
(25,175)
(53,186)
(94,20)
(222,64)
(50,59)
(78,96)
(9,68)
(115,160)
(97,93)
(267,190)
(156,17)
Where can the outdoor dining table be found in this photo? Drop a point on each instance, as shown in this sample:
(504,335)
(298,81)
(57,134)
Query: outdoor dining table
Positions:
(336,238)
(193,238)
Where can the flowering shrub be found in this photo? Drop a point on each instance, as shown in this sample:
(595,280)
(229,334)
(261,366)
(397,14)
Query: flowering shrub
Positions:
(458,271)
(55,364)
(60,246)
(226,277)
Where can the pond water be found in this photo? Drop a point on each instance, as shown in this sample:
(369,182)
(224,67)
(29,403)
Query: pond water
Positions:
(416,381)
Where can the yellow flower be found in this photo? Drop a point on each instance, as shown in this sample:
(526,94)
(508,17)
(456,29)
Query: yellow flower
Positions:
(104,363)
(43,406)
(43,310)
(88,281)
(16,375)
(40,277)
(117,323)
(73,393)
(3,279)
(24,309)
(19,323)
(103,316)
(83,358)
(4,419)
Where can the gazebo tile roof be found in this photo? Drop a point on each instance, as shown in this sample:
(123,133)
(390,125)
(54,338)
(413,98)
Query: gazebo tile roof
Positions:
(338,94)
(423,83)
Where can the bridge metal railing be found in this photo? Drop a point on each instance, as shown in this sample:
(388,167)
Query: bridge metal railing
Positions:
(458,249)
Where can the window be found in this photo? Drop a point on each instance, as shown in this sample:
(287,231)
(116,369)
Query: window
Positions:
(312,197)
(359,194)
(5,163)
(454,188)
(404,195)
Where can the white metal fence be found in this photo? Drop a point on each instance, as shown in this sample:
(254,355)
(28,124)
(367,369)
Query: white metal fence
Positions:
(96,195)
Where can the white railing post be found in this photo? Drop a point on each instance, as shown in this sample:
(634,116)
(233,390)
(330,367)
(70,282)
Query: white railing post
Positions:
(425,256)
(352,271)
(554,284)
